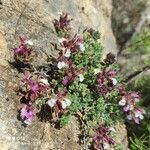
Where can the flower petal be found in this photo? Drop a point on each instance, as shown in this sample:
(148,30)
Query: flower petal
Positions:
(126,108)
(122,102)
(96,71)
(61,64)
(114,81)
(129,117)
(29,42)
(45,81)
(63,104)
(51,102)
(82,48)
(81,77)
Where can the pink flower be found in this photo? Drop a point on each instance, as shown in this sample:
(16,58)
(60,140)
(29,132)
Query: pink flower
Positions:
(22,51)
(136,120)
(71,46)
(18,51)
(37,89)
(136,115)
(27,114)
(126,108)
(135,94)
(130,108)
(65,81)
(34,88)
(71,73)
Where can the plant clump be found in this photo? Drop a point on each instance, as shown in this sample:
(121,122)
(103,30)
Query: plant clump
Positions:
(81,84)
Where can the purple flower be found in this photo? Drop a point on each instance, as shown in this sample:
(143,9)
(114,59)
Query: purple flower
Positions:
(71,73)
(136,115)
(71,46)
(18,51)
(63,24)
(102,136)
(105,81)
(126,108)
(129,104)
(34,88)
(22,51)
(37,89)
(27,114)
(136,120)
(65,81)
(121,90)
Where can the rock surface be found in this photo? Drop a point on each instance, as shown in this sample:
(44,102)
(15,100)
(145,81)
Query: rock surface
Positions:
(136,58)
(33,18)
(3,51)
(125,16)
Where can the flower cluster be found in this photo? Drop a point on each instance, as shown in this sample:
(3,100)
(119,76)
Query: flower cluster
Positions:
(23,51)
(102,138)
(106,81)
(63,24)
(68,47)
(71,73)
(59,102)
(129,103)
(35,86)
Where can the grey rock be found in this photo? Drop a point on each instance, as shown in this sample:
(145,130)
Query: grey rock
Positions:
(125,16)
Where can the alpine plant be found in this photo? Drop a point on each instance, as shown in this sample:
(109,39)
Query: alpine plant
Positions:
(78,83)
